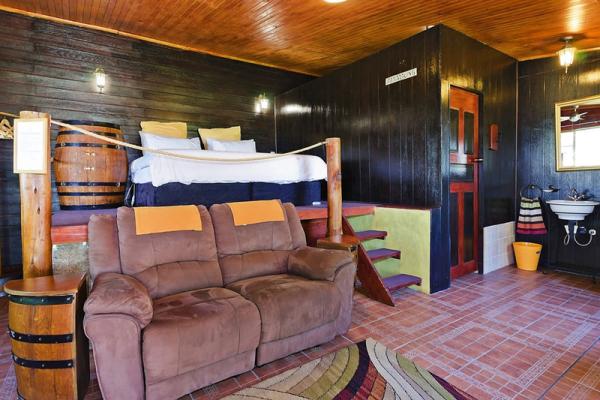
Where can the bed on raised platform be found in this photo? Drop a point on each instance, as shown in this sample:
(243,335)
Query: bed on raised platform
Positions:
(161,180)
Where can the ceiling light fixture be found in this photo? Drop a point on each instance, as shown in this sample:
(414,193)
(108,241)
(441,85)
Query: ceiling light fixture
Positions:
(566,55)
(334,1)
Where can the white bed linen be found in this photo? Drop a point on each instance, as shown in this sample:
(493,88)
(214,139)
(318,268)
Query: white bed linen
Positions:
(160,169)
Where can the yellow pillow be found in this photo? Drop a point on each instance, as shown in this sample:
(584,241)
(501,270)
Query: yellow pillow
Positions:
(233,134)
(168,129)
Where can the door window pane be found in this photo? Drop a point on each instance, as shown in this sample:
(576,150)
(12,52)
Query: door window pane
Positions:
(453,228)
(469,131)
(461,172)
(453,130)
(468,228)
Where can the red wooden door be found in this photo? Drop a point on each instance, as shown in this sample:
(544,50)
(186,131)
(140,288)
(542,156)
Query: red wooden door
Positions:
(464,181)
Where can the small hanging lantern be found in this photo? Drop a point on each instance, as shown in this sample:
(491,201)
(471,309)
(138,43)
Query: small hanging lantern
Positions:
(566,55)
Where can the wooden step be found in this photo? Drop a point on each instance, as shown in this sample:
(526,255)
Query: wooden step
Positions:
(383,254)
(401,281)
(368,275)
(368,235)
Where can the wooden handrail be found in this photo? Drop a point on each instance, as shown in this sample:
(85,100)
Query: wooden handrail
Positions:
(334,187)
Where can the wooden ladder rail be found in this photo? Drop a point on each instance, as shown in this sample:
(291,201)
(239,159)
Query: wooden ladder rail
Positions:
(367,273)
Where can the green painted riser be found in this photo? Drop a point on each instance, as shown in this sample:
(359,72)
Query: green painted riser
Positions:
(409,232)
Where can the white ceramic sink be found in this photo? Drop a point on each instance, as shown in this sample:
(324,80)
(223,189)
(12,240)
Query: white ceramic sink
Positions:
(571,210)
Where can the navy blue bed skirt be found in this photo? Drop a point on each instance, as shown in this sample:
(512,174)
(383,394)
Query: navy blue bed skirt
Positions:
(170,194)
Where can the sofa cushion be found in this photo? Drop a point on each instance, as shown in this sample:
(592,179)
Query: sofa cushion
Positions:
(269,241)
(165,279)
(170,262)
(197,328)
(289,304)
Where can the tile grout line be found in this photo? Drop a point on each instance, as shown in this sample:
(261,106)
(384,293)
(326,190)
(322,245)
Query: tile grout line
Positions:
(570,367)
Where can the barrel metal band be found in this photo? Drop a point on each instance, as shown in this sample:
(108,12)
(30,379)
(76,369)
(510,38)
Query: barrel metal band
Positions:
(83,122)
(41,300)
(103,146)
(92,206)
(108,134)
(52,364)
(91,193)
(117,184)
(28,338)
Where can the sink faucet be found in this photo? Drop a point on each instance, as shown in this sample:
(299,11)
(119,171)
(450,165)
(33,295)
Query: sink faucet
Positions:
(574,195)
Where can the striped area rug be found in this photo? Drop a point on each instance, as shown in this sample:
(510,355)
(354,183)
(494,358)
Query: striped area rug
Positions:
(366,370)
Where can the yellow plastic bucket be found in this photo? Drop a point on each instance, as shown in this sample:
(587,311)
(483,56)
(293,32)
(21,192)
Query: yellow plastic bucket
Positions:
(527,255)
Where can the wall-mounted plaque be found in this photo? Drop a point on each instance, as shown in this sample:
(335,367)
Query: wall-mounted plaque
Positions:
(31,146)
(411,73)
(494,136)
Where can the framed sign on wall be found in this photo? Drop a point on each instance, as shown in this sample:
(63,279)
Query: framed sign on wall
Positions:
(31,146)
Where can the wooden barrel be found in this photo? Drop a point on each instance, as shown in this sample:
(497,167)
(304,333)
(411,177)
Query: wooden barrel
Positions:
(90,173)
(49,348)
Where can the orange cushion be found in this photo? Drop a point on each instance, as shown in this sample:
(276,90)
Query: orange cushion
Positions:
(256,212)
(166,219)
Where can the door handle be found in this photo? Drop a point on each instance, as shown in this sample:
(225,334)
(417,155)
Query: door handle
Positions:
(478,160)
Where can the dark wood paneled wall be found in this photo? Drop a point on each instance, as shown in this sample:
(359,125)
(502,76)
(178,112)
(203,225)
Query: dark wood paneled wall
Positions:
(395,138)
(48,67)
(390,134)
(541,84)
(471,65)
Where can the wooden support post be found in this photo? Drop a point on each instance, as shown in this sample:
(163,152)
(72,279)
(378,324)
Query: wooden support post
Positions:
(36,215)
(334,187)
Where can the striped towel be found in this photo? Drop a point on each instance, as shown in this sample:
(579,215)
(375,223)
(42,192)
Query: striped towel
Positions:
(530,220)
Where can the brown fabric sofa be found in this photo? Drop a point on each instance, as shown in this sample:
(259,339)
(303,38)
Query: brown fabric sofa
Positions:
(172,312)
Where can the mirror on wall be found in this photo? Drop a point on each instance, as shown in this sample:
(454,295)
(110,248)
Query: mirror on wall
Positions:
(578,134)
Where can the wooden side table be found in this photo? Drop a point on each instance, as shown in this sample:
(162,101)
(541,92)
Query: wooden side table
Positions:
(50,350)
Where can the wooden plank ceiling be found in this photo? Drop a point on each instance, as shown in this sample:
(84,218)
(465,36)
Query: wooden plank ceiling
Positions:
(315,37)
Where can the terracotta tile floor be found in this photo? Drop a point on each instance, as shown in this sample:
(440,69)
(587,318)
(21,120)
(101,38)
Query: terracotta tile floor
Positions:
(506,335)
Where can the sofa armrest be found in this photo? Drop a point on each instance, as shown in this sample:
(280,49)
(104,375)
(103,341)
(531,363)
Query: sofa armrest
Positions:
(318,264)
(344,282)
(114,293)
(117,345)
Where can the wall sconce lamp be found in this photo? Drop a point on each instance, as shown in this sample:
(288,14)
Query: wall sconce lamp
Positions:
(566,55)
(100,79)
(261,104)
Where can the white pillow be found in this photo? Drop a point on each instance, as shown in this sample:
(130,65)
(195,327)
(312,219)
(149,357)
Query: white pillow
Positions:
(241,146)
(163,143)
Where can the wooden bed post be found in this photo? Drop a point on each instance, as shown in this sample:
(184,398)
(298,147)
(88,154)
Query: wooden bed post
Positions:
(334,187)
(36,214)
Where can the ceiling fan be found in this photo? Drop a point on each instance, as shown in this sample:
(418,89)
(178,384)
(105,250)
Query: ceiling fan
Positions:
(575,117)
